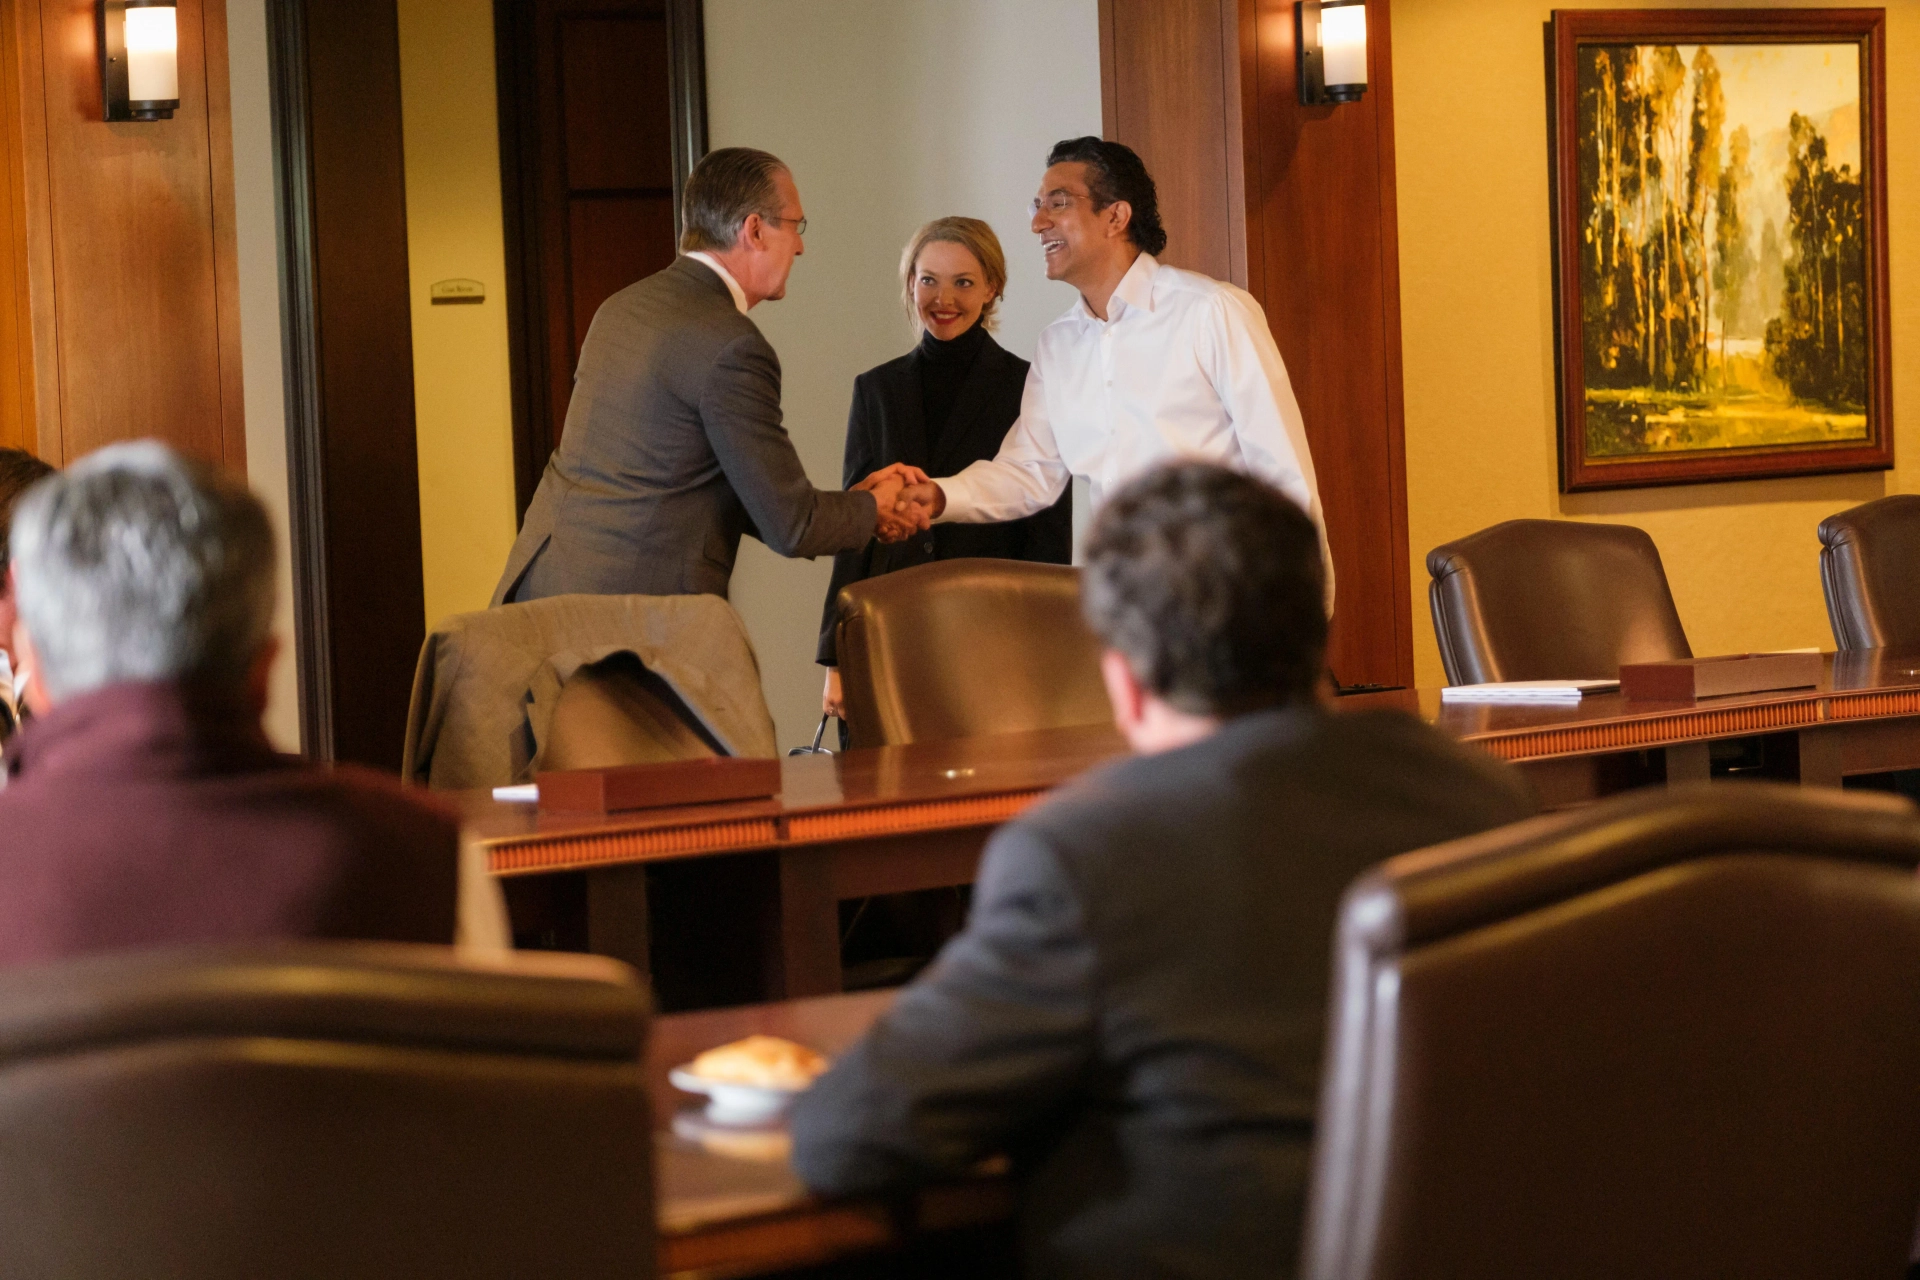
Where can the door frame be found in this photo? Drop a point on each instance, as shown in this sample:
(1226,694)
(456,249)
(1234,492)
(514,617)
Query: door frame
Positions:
(534,433)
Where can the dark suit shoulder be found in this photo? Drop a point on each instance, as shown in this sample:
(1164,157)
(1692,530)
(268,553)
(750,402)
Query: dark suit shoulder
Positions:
(687,298)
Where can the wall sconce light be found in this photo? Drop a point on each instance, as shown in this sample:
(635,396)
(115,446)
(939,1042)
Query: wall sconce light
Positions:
(1330,50)
(139,58)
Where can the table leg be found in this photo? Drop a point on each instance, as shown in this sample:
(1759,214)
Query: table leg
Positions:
(1820,762)
(809,924)
(1688,762)
(617,915)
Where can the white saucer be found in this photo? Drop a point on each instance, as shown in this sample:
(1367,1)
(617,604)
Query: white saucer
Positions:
(734,1104)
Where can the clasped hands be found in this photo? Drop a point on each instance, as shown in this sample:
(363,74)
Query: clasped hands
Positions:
(908,501)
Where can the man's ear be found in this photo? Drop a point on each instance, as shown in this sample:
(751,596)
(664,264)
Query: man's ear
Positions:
(1124,690)
(1119,217)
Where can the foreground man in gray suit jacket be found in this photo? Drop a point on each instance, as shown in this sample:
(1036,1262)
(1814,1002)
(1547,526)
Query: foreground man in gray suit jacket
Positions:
(673,446)
(1135,1011)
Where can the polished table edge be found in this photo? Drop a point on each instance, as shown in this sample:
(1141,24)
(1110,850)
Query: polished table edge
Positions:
(579,851)
(1644,726)
(1596,726)
(817,1231)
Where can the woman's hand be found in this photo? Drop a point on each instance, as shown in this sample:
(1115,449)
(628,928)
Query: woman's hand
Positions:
(830,703)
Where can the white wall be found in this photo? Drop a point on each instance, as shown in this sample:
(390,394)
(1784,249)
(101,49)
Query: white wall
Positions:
(890,112)
(259,261)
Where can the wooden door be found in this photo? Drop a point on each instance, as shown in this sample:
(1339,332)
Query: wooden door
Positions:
(353,462)
(588,131)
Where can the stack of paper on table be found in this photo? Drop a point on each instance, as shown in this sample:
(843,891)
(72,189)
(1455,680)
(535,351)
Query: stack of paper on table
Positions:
(1527,691)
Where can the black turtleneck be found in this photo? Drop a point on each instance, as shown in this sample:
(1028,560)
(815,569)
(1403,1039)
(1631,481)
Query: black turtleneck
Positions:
(944,367)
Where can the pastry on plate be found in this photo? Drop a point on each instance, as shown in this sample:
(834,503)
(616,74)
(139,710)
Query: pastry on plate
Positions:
(767,1062)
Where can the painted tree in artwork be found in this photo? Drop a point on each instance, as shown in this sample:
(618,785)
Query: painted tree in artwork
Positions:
(1709,116)
(1825,293)
(1733,260)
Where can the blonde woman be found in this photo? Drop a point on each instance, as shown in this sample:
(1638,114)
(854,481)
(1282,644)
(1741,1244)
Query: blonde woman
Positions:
(943,405)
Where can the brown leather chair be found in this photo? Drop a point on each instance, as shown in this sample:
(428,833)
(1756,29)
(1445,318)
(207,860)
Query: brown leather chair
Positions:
(1551,600)
(961,648)
(1870,570)
(314,1110)
(1674,1035)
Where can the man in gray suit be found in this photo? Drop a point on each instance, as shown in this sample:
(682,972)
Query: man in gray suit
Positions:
(673,445)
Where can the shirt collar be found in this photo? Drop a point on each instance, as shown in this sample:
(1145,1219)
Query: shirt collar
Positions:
(1135,288)
(726,278)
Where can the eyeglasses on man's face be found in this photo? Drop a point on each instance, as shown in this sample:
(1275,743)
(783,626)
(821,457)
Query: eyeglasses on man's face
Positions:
(799,224)
(1054,202)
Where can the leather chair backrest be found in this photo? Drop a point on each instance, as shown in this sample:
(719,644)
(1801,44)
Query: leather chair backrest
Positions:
(324,1110)
(961,648)
(1551,600)
(1674,1035)
(1870,570)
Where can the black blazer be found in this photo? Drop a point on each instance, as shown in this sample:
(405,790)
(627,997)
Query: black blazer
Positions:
(1136,1009)
(886,425)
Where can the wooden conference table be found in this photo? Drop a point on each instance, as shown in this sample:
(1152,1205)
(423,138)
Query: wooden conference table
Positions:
(915,817)
(727,1201)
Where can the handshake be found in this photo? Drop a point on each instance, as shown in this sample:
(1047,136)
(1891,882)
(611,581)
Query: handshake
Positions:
(907,499)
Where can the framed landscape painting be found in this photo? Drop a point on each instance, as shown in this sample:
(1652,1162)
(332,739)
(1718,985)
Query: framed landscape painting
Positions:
(1720,235)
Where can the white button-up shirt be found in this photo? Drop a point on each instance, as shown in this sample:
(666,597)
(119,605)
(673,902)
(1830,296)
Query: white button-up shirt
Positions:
(1185,367)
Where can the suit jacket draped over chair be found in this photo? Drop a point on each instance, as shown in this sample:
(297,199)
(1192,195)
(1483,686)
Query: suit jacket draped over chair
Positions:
(487,685)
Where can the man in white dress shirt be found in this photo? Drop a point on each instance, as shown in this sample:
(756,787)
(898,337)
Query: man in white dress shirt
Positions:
(1152,362)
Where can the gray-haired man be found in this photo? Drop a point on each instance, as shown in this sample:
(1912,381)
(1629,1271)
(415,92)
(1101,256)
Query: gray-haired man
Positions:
(673,445)
(144,806)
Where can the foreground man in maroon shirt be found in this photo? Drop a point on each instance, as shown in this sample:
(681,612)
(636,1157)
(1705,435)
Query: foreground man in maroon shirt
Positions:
(143,805)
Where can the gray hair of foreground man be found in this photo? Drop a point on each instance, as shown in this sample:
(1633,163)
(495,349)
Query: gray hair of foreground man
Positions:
(722,190)
(1209,583)
(138,564)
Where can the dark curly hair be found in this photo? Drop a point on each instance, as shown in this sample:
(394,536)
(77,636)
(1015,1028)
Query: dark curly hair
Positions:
(18,470)
(1115,172)
(1210,584)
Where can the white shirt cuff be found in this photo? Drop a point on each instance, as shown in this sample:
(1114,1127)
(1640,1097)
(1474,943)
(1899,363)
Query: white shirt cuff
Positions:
(960,501)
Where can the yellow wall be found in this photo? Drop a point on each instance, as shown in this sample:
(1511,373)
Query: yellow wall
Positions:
(1476,258)
(462,398)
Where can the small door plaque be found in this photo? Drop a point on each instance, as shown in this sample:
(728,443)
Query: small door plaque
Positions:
(458,292)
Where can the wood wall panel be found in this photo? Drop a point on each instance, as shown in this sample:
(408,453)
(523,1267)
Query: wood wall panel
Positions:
(121,246)
(1323,210)
(1296,204)
(1170,87)
(19,425)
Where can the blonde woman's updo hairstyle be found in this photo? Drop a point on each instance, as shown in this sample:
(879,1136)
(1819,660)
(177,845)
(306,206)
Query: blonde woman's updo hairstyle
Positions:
(977,238)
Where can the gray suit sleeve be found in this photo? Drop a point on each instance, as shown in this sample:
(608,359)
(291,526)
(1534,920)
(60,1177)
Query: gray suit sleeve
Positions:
(994,1037)
(740,409)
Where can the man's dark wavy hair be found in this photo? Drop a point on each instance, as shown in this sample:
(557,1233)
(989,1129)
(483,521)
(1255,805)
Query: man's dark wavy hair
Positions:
(1210,584)
(1115,172)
